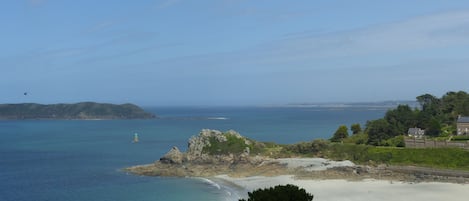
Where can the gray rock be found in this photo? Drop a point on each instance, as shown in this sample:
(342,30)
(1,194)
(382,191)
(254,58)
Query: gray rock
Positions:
(174,156)
(196,144)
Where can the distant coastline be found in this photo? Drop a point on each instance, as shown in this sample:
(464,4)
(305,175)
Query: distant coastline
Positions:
(378,104)
(76,111)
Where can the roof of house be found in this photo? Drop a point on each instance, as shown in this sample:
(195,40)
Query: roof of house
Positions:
(415,131)
(463,120)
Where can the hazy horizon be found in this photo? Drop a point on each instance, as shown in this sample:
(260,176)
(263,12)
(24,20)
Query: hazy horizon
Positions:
(224,52)
(298,104)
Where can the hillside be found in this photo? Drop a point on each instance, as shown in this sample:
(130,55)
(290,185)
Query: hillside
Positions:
(83,110)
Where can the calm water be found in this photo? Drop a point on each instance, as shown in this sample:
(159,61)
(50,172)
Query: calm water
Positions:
(81,160)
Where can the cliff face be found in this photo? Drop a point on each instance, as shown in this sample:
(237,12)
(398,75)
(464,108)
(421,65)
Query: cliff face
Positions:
(84,110)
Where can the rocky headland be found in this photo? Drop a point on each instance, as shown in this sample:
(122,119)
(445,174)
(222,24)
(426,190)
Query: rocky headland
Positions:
(213,153)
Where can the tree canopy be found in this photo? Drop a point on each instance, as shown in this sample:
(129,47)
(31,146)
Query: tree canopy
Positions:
(435,115)
(356,128)
(340,134)
(287,192)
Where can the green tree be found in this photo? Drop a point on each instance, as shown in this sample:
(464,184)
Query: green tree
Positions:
(340,134)
(280,193)
(401,119)
(454,104)
(356,128)
(434,129)
(378,131)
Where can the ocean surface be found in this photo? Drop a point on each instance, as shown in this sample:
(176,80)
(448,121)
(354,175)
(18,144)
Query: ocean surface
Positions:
(74,160)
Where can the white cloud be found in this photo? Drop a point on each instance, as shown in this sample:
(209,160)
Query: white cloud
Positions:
(433,31)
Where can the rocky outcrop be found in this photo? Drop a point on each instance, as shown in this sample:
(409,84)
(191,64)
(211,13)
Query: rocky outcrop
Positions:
(199,145)
(174,156)
(201,159)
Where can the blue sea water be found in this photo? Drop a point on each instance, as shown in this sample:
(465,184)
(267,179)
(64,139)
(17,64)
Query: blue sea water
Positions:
(52,160)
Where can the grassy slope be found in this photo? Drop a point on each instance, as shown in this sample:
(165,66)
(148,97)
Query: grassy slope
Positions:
(446,158)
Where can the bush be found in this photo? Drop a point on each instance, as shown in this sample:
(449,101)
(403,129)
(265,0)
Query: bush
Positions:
(397,141)
(232,145)
(340,134)
(310,148)
(280,193)
(360,138)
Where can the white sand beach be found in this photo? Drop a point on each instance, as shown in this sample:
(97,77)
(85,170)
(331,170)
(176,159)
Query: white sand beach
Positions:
(366,190)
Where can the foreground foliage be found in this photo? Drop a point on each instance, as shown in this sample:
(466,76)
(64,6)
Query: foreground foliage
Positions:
(280,193)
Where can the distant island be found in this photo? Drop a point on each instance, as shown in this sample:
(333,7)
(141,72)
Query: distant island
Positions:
(81,111)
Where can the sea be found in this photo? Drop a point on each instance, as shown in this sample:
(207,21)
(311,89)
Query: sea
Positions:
(83,160)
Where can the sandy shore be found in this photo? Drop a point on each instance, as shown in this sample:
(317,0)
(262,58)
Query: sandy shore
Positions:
(365,190)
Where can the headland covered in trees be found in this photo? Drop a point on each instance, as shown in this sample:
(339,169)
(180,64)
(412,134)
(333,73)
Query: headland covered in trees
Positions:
(82,110)
(437,117)
(376,152)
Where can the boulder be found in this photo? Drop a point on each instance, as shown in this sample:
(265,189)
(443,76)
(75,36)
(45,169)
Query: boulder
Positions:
(174,156)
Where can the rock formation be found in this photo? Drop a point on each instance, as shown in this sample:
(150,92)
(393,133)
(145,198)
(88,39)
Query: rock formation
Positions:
(174,156)
(212,152)
(198,149)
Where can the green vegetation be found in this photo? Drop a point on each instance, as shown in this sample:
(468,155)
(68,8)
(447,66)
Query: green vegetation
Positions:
(383,138)
(340,134)
(460,138)
(84,110)
(437,116)
(305,148)
(356,128)
(233,145)
(280,193)
(360,138)
(447,158)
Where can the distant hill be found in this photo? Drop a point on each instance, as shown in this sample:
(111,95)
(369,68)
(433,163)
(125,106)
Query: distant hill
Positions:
(380,104)
(83,110)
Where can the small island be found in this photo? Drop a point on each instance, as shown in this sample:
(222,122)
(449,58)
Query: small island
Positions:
(78,111)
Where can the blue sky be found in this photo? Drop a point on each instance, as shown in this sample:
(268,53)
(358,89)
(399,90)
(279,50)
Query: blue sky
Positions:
(231,52)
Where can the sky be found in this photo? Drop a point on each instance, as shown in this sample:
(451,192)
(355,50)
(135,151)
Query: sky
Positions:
(231,52)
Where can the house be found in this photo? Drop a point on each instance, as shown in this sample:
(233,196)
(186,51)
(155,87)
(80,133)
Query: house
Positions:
(462,125)
(416,132)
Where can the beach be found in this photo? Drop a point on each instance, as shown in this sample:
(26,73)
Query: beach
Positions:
(364,190)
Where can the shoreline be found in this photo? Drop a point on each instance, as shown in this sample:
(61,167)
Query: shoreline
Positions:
(326,179)
(304,168)
(367,189)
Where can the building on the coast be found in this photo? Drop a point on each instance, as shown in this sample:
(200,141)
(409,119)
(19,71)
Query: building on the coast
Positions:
(416,132)
(462,125)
